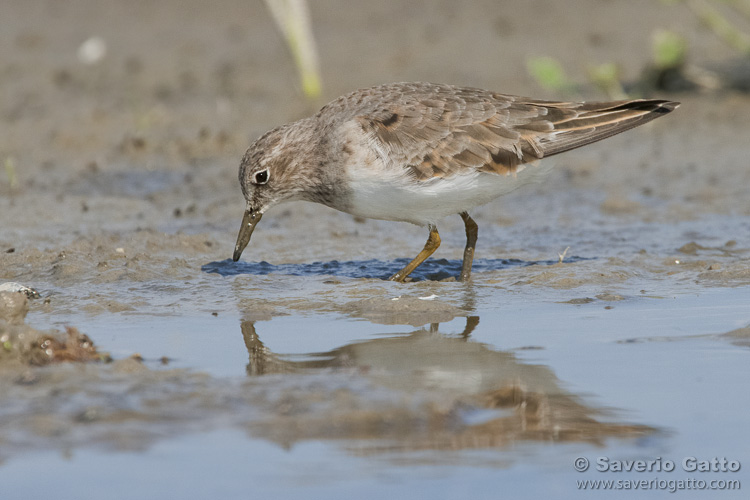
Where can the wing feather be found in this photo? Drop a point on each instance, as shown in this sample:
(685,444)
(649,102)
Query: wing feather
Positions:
(442,131)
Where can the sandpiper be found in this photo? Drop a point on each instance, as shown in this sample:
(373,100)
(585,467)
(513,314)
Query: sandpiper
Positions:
(417,152)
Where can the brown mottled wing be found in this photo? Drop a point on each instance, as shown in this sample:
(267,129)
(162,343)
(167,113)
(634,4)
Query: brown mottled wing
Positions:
(452,132)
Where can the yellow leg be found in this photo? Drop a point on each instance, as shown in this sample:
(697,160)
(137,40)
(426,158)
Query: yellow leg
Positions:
(433,242)
(471,240)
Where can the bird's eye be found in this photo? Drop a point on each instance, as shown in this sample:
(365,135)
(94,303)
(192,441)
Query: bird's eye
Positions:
(261,177)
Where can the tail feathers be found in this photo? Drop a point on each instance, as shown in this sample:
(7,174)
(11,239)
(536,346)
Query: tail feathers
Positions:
(596,121)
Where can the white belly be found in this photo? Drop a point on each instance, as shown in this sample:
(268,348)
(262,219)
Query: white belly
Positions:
(383,194)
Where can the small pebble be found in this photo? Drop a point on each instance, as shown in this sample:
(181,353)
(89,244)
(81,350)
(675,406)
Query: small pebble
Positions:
(92,50)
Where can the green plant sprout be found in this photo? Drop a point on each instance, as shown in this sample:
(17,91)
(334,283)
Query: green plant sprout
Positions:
(549,74)
(293,19)
(607,77)
(669,50)
(10,172)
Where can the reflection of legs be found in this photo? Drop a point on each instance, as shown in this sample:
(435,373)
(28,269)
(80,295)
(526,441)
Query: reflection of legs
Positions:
(471,323)
(255,349)
(433,242)
(261,360)
(471,240)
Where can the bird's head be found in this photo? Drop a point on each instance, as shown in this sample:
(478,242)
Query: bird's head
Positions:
(270,174)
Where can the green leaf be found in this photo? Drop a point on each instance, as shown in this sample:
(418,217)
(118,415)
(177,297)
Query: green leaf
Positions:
(548,73)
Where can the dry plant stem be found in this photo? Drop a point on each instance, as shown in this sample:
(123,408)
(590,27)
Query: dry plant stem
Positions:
(293,19)
(741,6)
(719,24)
(562,255)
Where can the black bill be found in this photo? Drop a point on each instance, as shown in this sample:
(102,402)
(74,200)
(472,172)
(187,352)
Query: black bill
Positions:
(249,221)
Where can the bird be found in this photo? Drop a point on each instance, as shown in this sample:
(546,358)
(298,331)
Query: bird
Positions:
(418,152)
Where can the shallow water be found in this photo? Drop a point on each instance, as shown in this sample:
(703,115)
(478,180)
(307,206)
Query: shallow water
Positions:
(319,376)
(432,269)
(336,405)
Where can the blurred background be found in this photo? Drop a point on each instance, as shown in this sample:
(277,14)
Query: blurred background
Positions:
(90,81)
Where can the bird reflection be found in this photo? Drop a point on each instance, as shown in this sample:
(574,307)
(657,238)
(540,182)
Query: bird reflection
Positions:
(263,361)
(476,397)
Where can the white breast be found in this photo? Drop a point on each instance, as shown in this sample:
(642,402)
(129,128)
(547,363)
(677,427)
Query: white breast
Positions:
(391,194)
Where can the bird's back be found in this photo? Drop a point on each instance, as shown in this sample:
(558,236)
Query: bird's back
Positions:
(436,130)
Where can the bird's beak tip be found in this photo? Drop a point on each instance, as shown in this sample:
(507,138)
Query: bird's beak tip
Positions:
(249,221)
